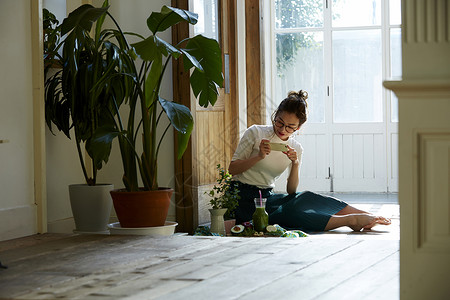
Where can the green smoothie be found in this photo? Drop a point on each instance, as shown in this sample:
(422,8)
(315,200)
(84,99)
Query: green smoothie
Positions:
(260,217)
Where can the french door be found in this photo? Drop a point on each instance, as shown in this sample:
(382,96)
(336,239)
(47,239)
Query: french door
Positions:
(339,51)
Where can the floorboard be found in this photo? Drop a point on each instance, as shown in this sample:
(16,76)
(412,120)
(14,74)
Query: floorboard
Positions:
(339,264)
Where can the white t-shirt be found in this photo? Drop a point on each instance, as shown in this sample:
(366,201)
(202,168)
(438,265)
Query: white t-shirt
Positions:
(265,172)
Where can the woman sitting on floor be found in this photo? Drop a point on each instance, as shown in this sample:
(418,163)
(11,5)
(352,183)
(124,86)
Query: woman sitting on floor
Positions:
(255,167)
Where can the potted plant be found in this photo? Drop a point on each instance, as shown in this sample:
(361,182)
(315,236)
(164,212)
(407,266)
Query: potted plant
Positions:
(77,109)
(144,64)
(224,200)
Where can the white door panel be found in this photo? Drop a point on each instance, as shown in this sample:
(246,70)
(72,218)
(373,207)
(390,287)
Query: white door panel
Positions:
(17,205)
(358,157)
(358,162)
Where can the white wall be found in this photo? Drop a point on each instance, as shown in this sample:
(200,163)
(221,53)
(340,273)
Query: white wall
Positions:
(63,167)
(17,208)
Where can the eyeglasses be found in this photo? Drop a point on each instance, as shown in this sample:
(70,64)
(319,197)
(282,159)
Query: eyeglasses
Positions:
(278,123)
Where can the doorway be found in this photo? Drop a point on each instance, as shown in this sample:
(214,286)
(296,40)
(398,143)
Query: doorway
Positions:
(339,51)
(215,134)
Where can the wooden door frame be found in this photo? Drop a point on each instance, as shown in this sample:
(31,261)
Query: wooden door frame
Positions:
(39,159)
(186,201)
(256,106)
(184,198)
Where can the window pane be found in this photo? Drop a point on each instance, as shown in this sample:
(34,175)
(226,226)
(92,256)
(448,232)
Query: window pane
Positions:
(396,67)
(348,13)
(395,12)
(298,14)
(208,22)
(396,52)
(300,67)
(357,76)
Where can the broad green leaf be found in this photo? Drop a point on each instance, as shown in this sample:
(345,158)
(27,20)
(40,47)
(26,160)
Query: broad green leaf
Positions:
(169,16)
(84,16)
(99,145)
(194,62)
(147,49)
(208,53)
(179,115)
(183,140)
(204,89)
(207,80)
(167,47)
(153,47)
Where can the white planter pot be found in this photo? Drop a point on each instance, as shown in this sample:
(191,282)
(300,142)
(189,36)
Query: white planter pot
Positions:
(217,221)
(91,207)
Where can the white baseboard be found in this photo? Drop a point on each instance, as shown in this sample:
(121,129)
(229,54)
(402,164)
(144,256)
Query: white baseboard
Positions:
(61,226)
(68,225)
(17,222)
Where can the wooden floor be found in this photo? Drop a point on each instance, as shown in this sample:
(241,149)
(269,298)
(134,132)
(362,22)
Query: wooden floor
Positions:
(335,265)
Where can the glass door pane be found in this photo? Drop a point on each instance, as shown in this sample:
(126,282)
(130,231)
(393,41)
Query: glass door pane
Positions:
(395,12)
(300,66)
(208,20)
(347,13)
(396,66)
(298,14)
(357,76)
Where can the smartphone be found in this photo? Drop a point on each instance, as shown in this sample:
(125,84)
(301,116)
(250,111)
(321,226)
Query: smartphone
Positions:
(278,147)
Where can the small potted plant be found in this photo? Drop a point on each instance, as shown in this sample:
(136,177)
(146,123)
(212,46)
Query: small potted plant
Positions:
(224,202)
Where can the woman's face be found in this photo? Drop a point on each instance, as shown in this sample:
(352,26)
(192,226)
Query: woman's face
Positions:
(285,124)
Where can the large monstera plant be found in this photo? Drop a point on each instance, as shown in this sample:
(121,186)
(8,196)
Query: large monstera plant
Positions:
(142,67)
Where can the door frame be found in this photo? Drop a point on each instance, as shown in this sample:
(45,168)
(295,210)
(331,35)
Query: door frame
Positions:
(39,160)
(186,181)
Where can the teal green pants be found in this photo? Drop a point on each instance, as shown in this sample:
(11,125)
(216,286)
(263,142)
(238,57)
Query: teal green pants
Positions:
(306,211)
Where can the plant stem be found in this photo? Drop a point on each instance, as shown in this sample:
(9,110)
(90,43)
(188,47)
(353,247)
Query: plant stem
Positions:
(161,139)
(80,156)
(116,107)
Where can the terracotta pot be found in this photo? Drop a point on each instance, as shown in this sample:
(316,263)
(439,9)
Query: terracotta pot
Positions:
(143,208)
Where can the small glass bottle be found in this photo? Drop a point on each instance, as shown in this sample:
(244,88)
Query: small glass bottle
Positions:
(260,217)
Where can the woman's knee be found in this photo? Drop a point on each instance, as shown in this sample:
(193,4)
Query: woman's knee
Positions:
(307,193)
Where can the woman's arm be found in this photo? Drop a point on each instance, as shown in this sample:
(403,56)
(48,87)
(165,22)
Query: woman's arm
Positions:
(239,166)
(242,165)
(293,180)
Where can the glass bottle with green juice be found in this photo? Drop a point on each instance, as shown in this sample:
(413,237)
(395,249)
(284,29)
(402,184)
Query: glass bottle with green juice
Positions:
(260,217)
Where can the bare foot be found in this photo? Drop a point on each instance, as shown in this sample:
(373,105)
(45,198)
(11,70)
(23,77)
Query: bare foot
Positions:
(367,221)
(378,220)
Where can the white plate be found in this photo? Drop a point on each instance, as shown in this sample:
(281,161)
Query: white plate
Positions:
(167,229)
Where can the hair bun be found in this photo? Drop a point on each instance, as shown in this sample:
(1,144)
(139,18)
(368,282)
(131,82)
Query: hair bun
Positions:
(300,95)
(295,103)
